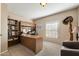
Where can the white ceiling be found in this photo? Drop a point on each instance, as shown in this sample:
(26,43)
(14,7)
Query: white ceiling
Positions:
(35,10)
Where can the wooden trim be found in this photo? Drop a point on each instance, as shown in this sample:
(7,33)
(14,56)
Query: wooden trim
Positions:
(4,52)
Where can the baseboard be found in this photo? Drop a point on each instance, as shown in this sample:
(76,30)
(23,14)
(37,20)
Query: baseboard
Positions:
(3,52)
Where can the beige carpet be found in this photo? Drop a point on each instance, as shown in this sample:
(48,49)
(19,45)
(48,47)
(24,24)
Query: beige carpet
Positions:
(18,50)
(49,49)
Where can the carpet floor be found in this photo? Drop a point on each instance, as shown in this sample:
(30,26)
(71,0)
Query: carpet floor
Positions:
(49,49)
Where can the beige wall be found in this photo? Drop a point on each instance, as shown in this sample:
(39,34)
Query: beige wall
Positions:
(4,28)
(63,30)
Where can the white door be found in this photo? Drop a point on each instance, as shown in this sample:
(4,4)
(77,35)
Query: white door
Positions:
(0,35)
(0,28)
(4,28)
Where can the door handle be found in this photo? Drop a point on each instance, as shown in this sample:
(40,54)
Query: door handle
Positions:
(0,34)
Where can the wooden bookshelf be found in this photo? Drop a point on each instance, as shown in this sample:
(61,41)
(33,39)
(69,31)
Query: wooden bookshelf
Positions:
(13,32)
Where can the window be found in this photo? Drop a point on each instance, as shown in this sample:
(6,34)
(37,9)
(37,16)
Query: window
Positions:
(25,29)
(52,30)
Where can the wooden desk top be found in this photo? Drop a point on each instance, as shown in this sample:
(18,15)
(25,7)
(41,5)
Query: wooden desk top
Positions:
(31,36)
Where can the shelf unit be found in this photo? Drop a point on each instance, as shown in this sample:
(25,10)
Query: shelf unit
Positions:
(28,28)
(13,32)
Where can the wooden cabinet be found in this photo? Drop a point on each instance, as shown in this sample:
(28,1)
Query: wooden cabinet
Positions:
(33,42)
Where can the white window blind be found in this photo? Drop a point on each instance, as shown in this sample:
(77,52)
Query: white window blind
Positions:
(52,30)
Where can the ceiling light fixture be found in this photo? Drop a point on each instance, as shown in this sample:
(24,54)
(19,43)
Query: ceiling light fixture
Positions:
(43,3)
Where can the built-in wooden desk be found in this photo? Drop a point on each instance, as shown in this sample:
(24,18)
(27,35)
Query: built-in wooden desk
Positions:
(33,42)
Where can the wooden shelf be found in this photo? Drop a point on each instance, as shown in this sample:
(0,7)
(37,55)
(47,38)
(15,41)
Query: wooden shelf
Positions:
(14,30)
(12,24)
(25,26)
